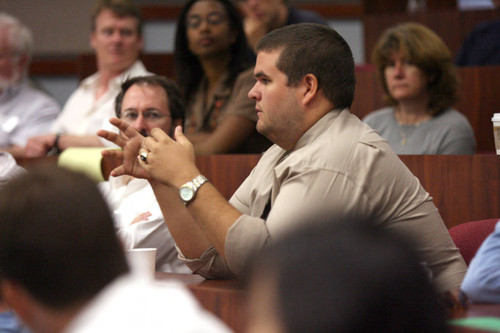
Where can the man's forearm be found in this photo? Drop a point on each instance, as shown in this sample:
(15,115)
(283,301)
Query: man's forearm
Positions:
(205,222)
(15,151)
(183,228)
(214,215)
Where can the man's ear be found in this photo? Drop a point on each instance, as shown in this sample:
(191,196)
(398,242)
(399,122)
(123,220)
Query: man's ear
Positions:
(310,85)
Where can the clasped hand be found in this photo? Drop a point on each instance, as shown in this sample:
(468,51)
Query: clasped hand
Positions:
(170,161)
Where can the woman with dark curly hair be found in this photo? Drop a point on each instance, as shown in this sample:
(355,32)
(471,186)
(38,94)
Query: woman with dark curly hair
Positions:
(215,73)
(420,84)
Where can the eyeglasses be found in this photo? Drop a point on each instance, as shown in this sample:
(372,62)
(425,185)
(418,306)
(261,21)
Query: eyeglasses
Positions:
(212,19)
(150,116)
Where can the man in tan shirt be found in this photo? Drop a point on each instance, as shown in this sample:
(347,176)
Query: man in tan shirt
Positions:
(325,161)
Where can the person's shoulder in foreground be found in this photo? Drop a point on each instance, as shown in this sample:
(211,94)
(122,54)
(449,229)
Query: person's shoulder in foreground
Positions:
(482,281)
(45,296)
(135,305)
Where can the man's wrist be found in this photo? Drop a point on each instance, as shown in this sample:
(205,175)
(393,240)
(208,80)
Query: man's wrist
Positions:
(57,142)
(187,192)
(56,148)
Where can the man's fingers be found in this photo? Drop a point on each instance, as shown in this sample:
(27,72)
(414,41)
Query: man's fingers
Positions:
(114,154)
(159,134)
(112,137)
(125,128)
(180,137)
(119,171)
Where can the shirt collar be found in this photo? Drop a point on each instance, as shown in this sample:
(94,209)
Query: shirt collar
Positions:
(137,67)
(317,129)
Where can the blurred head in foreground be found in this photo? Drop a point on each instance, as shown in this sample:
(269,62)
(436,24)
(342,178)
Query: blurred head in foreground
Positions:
(58,247)
(334,277)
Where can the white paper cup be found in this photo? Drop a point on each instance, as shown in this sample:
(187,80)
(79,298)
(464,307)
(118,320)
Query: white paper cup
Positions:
(142,262)
(496,131)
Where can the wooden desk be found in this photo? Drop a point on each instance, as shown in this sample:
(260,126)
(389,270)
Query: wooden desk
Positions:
(224,298)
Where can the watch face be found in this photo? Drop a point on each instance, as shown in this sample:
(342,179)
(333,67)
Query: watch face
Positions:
(186,193)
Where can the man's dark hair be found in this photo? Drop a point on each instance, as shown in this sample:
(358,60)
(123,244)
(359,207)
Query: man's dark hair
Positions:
(349,276)
(121,8)
(310,48)
(175,103)
(187,66)
(57,238)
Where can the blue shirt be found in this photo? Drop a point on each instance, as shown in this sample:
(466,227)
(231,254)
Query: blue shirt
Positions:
(482,281)
(10,324)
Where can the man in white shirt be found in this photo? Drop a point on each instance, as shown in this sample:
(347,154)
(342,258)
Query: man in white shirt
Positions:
(145,102)
(24,110)
(116,37)
(66,271)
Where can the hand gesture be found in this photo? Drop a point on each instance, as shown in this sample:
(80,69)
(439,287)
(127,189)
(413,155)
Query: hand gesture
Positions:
(130,141)
(169,161)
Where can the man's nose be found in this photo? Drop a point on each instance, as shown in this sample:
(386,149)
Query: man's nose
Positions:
(140,123)
(116,36)
(253,94)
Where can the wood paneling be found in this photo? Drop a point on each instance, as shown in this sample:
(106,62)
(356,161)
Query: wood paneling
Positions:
(464,187)
(171,11)
(56,65)
(227,172)
(450,24)
(158,63)
(400,6)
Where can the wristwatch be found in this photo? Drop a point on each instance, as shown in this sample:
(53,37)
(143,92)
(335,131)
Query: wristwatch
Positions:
(187,192)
